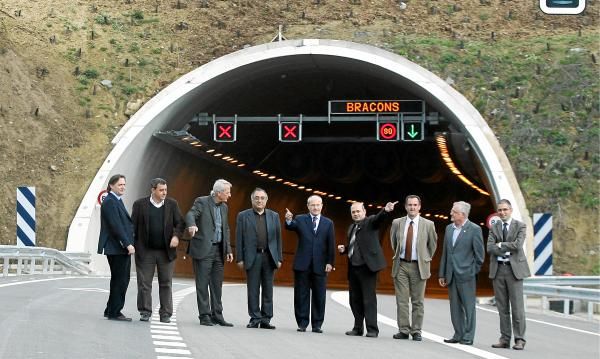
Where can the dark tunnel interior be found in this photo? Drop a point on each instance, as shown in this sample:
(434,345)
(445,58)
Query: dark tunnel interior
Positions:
(343,160)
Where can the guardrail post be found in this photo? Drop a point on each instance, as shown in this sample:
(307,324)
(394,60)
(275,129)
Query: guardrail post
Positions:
(52,263)
(590,310)
(6,266)
(544,303)
(32,266)
(566,307)
(19,265)
(45,265)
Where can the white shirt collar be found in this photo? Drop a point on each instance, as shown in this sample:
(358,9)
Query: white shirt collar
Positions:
(155,204)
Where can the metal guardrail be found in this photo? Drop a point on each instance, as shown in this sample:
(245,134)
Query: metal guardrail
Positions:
(565,287)
(29,260)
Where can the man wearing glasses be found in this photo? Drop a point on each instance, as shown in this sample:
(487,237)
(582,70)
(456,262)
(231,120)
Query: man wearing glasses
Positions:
(259,252)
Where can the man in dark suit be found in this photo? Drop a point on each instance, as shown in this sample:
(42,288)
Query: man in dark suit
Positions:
(365,260)
(462,257)
(414,242)
(508,267)
(116,241)
(158,226)
(259,252)
(209,249)
(315,256)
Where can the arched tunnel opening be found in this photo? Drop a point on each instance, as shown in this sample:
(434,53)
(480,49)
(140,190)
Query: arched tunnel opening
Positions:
(341,161)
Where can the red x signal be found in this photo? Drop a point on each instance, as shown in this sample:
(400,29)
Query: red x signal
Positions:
(224,132)
(290,131)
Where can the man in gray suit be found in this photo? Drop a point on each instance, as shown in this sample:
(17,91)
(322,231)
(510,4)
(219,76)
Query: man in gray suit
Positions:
(259,252)
(209,248)
(508,267)
(414,241)
(462,257)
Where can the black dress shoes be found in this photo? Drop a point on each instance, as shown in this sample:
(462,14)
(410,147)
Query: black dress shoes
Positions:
(466,342)
(372,335)
(317,330)
(501,344)
(165,319)
(400,335)
(451,341)
(221,322)
(267,326)
(120,318)
(417,337)
(205,320)
(354,333)
(302,330)
(144,317)
(252,325)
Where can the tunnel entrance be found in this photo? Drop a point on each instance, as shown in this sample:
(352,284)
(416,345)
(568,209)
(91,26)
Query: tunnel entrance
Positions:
(459,159)
(343,161)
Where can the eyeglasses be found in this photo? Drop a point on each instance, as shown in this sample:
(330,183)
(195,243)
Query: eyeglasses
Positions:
(260,198)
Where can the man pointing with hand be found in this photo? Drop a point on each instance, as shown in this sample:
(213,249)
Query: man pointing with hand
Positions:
(314,258)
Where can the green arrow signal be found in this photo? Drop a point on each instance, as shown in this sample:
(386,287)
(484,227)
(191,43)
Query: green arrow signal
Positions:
(412,133)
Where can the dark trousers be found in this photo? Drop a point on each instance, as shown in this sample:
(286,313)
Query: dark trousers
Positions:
(209,277)
(260,275)
(363,297)
(304,283)
(120,268)
(462,308)
(155,258)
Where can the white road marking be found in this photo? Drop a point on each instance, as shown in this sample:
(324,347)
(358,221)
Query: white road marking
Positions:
(175,340)
(36,281)
(546,323)
(343,299)
(98,290)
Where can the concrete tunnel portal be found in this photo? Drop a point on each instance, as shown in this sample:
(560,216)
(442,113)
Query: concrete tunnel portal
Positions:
(342,161)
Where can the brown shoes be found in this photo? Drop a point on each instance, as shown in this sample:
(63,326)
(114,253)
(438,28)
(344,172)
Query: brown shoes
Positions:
(519,344)
(501,344)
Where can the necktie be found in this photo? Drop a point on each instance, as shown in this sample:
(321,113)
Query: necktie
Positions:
(408,246)
(315,224)
(504,231)
(352,240)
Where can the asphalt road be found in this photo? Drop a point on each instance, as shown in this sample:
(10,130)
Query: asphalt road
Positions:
(61,317)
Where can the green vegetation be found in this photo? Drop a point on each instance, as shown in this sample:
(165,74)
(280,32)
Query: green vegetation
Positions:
(543,104)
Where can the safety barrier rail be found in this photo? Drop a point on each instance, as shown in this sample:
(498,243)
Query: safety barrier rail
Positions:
(567,288)
(32,260)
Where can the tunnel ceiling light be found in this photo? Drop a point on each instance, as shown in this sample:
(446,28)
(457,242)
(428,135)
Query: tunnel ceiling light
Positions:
(271,177)
(279,180)
(301,187)
(218,154)
(338,197)
(256,171)
(210,151)
(443,148)
(329,195)
(264,175)
(234,161)
(241,165)
(427,214)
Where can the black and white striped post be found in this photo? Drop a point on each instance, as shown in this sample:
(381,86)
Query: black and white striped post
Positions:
(25,216)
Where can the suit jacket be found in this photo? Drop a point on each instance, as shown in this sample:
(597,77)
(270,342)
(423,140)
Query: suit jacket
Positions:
(426,244)
(367,237)
(316,248)
(202,216)
(116,228)
(514,244)
(246,236)
(463,260)
(173,225)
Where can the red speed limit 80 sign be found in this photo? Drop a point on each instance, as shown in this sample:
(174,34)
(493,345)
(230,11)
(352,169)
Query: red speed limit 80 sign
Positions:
(387,131)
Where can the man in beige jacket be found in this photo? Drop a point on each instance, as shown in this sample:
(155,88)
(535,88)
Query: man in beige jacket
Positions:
(414,241)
